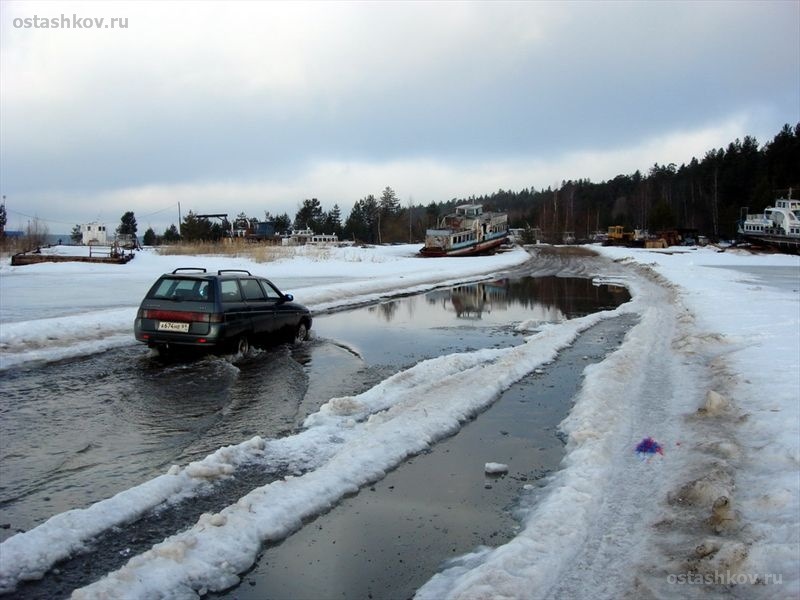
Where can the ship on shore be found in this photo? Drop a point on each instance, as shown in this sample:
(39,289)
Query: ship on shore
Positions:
(778,226)
(466,232)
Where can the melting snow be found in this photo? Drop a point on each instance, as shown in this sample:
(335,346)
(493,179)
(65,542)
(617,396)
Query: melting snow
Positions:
(710,371)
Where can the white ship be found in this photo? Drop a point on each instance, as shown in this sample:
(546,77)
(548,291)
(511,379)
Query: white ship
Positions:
(467,231)
(777,226)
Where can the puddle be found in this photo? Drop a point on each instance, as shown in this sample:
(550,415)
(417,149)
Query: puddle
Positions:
(403,331)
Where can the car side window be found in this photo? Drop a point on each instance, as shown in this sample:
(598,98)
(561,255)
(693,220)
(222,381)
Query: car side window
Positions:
(271,292)
(252,291)
(230,291)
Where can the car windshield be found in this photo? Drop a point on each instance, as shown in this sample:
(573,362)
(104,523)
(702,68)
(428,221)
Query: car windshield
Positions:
(182,289)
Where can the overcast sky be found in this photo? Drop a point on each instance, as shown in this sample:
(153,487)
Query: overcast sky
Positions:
(252,107)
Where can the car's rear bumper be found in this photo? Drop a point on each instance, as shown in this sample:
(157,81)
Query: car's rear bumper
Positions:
(146,333)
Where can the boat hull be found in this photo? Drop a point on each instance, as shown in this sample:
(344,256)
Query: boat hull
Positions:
(484,247)
(783,243)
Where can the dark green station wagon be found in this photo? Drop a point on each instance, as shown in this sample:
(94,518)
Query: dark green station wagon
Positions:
(190,309)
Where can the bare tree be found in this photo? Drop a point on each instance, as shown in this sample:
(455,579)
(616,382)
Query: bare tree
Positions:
(35,234)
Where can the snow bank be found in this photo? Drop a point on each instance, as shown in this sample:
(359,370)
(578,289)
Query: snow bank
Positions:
(747,312)
(31,554)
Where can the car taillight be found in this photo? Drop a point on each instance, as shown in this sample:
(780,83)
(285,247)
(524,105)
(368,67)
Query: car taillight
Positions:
(181,315)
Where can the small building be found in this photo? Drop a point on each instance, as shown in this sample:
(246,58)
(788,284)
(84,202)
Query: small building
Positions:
(94,234)
(263,231)
(301,237)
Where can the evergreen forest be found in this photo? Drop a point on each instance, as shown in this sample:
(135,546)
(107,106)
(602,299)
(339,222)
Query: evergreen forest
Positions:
(707,195)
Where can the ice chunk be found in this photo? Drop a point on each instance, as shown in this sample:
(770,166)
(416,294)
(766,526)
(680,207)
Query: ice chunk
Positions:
(493,468)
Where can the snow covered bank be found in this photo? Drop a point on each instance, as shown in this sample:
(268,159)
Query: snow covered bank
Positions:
(711,371)
(745,322)
(53,311)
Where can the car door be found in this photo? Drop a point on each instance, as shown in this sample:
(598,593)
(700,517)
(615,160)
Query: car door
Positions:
(286,315)
(260,307)
(237,316)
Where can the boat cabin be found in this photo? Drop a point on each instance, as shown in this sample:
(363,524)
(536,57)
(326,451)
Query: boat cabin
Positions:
(469,210)
(783,219)
(94,233)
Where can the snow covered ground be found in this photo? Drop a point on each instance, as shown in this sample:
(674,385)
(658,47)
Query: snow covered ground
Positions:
(710,372)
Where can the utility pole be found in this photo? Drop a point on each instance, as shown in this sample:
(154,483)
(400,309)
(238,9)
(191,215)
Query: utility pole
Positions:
(714,211)
(410,205)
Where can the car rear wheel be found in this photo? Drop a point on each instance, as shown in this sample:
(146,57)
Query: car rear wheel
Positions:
(243,346)
(160,351)
(301,333)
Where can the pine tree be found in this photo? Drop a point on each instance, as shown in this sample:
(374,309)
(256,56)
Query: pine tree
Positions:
(309,215)
(149,238)
(283,223)
(363,219)
(333,221)
(127,225)
(171,234)
(389,203)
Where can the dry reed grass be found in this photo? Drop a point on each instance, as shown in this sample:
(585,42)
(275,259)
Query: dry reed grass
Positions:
(260,253)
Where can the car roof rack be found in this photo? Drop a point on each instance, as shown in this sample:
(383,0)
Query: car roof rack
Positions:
(221,271)
(200,269)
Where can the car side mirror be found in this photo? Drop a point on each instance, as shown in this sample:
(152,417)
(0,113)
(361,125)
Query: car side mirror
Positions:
(288,297)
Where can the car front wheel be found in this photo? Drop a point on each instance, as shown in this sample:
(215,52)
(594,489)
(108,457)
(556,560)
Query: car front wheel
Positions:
(301,333)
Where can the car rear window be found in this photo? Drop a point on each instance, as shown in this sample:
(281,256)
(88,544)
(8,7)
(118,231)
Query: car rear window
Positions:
(182,289)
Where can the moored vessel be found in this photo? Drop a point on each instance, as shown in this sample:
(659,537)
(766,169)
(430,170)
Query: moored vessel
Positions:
(778,226)
(466,232)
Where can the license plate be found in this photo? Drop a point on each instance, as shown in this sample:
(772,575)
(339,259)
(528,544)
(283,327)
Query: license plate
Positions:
(172,326)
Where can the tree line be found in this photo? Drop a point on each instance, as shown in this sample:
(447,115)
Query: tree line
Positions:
(371,220)
(706,195)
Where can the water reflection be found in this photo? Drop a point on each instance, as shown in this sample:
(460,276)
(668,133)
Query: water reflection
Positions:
(469,301)
(549,298)
(405,330)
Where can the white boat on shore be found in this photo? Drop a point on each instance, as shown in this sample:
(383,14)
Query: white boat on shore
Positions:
(466,232)
(777,226)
